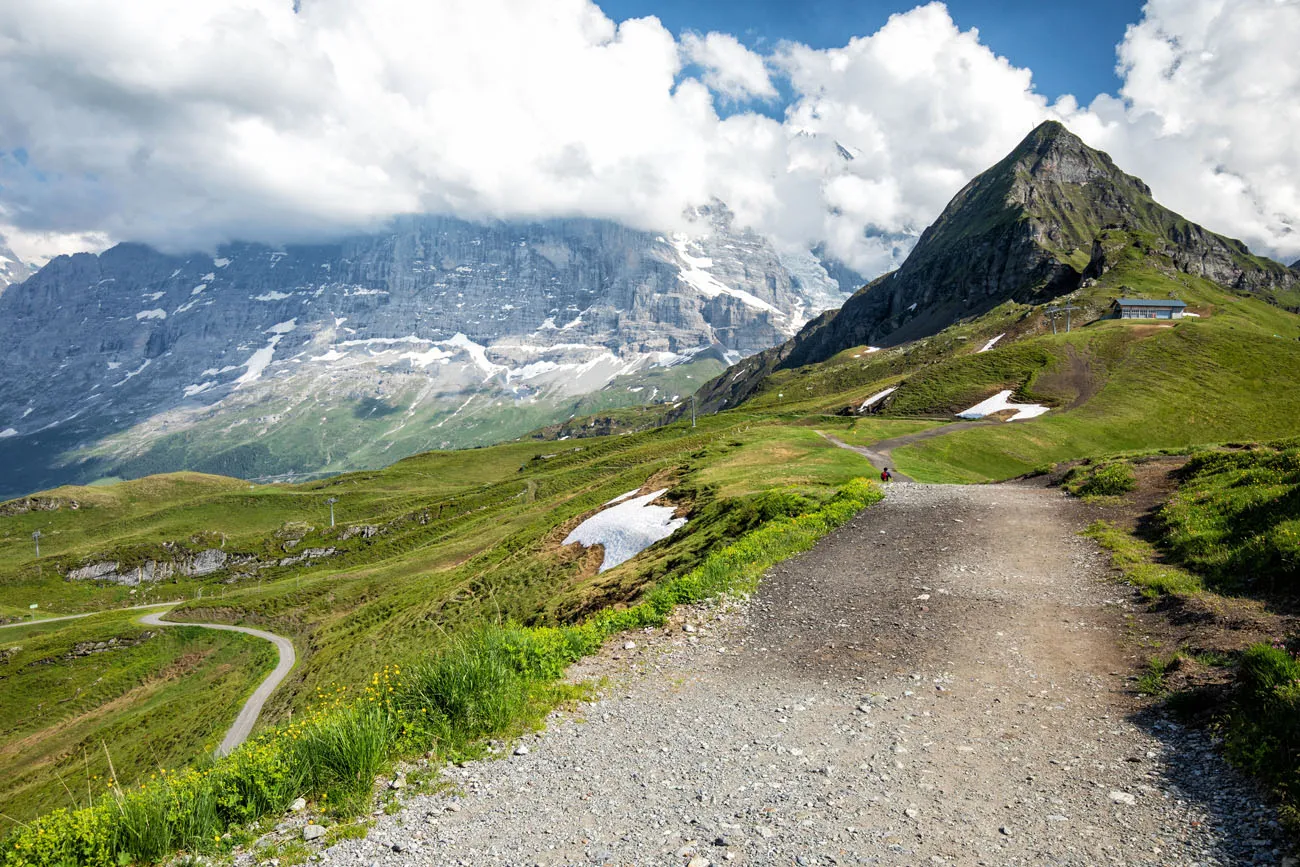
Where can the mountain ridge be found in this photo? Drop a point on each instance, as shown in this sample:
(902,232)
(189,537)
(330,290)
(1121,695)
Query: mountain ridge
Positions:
(436,333)
(1028,229)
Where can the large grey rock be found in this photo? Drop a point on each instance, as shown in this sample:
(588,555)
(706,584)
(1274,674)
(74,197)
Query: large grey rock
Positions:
(143,344)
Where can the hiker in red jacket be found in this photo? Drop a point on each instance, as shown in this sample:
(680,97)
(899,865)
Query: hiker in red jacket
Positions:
(885,475)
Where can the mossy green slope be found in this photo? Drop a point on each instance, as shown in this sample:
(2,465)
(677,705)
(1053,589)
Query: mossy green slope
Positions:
(424,550)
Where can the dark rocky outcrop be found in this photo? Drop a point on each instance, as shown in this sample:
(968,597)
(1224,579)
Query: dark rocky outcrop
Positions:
(1028,229)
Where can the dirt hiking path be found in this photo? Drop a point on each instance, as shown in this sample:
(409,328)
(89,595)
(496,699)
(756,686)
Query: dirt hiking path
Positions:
(881,454)
(942,681)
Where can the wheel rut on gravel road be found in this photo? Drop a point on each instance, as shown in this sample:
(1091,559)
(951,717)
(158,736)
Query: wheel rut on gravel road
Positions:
(944,680)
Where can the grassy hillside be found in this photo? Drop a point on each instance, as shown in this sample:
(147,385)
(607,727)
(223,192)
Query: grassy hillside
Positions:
(151,697)
(1224,374)
(423,551)
(278,435)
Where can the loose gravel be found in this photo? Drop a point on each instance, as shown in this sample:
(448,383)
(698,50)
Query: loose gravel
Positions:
(942,681)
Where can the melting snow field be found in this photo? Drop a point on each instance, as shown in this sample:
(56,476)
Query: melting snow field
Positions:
(1001,401)
(876,398)
(992,343)
(626,528)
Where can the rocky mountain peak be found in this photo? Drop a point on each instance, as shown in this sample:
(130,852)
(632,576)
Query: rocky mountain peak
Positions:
(12,269)
(1051,213)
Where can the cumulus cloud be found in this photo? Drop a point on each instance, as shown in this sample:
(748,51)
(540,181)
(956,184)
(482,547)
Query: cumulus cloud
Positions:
(730,68)
(1208,115)
(185,125)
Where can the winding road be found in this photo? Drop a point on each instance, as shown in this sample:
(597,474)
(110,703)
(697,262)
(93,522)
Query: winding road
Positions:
(252,708)
(881,454)
(43,620)
(248,714)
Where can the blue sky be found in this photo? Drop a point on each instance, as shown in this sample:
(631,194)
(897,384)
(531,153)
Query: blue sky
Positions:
(1070,46)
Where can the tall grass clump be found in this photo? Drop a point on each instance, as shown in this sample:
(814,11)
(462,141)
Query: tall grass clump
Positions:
(1262,731)
(1236,517)
(1111,479)
(497,679)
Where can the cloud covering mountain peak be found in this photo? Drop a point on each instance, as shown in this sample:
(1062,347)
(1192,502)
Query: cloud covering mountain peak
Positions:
(188,125)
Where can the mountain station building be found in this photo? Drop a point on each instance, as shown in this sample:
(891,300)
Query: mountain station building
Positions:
(1147,308)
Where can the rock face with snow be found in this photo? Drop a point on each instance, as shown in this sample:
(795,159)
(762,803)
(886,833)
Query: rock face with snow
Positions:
(262,361)
(12,269)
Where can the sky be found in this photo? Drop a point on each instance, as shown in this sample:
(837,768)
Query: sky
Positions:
(1070,46)
(189,125)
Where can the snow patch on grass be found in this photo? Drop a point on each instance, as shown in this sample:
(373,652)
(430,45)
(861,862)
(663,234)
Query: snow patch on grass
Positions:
(1002,401)
(992,343)
(627,529)
(876,398)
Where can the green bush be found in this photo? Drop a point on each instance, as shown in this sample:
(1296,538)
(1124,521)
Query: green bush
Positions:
(1262,731)
(490,681)
(1265,670)
(1100,480)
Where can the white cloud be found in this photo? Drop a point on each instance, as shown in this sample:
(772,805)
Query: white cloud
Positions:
(731,69)
(1209,113)
(185,125)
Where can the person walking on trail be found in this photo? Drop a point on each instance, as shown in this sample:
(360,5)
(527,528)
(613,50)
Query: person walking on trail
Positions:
(886,475)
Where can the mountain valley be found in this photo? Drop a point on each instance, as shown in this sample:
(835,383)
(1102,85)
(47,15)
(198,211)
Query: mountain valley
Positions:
(708,374)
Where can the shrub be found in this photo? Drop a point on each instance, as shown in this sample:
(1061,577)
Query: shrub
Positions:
(1265,670)
(1100,480)
(1262,731)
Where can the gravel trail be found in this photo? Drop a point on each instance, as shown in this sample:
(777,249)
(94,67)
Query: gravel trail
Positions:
(242,727)
(942,681)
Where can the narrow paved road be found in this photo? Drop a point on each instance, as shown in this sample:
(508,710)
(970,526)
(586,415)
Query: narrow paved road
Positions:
(944,680)
(248,714)
(41,620)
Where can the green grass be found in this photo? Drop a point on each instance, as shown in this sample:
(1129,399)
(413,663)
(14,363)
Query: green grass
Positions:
(160,700)
(1230,528)
(1236,518)
(1261,732)
(489,682)
(1137,562)
(1199,382)
(1106,479)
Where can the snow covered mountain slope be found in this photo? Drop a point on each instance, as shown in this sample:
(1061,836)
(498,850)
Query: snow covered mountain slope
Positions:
(437,333)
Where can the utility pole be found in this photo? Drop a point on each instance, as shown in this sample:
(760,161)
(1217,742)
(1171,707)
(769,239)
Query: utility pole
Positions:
(692,410)
(36,537)
(332,501)
(1054,312)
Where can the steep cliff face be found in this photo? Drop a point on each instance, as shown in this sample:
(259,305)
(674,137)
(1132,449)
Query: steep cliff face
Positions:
(1027,230)
(136,346)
